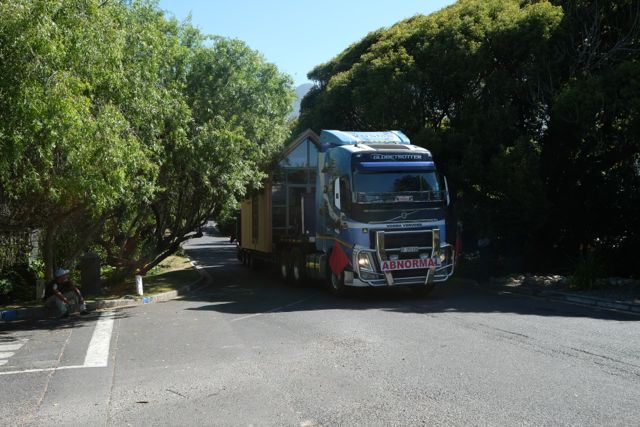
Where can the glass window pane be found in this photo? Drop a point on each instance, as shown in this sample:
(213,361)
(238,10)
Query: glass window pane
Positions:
(279,217)
(279,176)
(313,155)
(279,195)
(297,158)
(297,177)
(295,208)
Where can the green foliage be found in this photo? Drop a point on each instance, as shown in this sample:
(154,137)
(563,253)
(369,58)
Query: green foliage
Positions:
(122,130)
(228,223)
(18,283)
(5,287)
(588,270)
(529,107)
(592,152)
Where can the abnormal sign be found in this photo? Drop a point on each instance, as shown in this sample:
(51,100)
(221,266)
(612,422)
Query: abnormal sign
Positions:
(409,264)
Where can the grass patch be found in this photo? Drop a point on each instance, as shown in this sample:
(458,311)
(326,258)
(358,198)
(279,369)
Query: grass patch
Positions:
(173,273)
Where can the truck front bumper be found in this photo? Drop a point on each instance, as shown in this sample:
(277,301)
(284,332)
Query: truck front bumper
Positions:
(367,265)
(417,277)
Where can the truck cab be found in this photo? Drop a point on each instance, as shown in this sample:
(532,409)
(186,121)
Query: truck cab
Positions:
(383,201)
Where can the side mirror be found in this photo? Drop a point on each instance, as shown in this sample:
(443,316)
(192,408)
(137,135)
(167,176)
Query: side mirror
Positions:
(336,193)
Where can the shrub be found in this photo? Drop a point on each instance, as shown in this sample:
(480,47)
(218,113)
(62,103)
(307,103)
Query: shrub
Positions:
(588,269)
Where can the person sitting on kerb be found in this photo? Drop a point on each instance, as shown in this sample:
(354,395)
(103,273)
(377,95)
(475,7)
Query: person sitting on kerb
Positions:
(62,293)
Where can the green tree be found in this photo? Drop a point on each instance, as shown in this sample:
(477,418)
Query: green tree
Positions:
(67,147)
(123,130)
(238,105)
(530,107)
(462,82)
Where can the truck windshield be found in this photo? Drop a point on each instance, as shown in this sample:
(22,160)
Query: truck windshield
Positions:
(397,196)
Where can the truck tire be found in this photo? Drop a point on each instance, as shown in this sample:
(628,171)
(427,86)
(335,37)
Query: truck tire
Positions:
(297,267)
(335,283)
(285,267)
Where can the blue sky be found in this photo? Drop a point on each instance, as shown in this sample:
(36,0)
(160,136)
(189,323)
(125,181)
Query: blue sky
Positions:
(297,35)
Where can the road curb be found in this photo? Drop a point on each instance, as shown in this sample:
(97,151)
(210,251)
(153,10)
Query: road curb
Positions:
(628,307)
(40,313)
(600,303)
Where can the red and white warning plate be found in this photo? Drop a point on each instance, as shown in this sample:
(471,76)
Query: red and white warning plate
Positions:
(409,264)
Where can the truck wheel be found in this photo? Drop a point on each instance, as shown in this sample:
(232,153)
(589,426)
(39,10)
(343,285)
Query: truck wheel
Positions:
(285,270)
(297,267)
(336,283)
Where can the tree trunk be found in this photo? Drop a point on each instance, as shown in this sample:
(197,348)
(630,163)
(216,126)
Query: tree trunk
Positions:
(50,232)
(48,252)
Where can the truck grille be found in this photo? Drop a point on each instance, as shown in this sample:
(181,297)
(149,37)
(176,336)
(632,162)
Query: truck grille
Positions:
(409,273)
(414,239)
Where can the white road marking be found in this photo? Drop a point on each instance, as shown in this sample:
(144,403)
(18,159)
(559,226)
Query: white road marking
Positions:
(59,368)
(97,354)
(8,350)
(273,310)
(10,347)
(98,351)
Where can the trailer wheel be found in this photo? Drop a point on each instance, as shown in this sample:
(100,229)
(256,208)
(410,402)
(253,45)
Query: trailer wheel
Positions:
(285,270)
(297,267)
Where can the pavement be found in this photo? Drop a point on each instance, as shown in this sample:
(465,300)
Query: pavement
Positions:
(601,299)
(41,313)
(600,303)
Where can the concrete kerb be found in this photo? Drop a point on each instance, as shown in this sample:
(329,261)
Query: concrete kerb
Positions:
(626,307)
(588,301)
(39,313)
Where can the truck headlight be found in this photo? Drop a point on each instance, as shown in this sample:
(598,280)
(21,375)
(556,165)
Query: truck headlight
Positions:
(445,255)
(364,261)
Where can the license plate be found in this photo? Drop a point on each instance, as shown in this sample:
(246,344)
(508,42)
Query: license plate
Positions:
(409,249)
(409,264)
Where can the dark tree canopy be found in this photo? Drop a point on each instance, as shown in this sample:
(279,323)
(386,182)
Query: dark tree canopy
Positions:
(530,108)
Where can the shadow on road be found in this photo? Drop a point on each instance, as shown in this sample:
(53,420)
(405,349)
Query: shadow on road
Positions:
(237,290)
(72,322)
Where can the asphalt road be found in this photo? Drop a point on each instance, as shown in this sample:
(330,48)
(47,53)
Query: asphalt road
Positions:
(248,350)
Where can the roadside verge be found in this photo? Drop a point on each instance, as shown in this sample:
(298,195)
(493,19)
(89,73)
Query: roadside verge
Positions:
(536,288)
(39,313)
